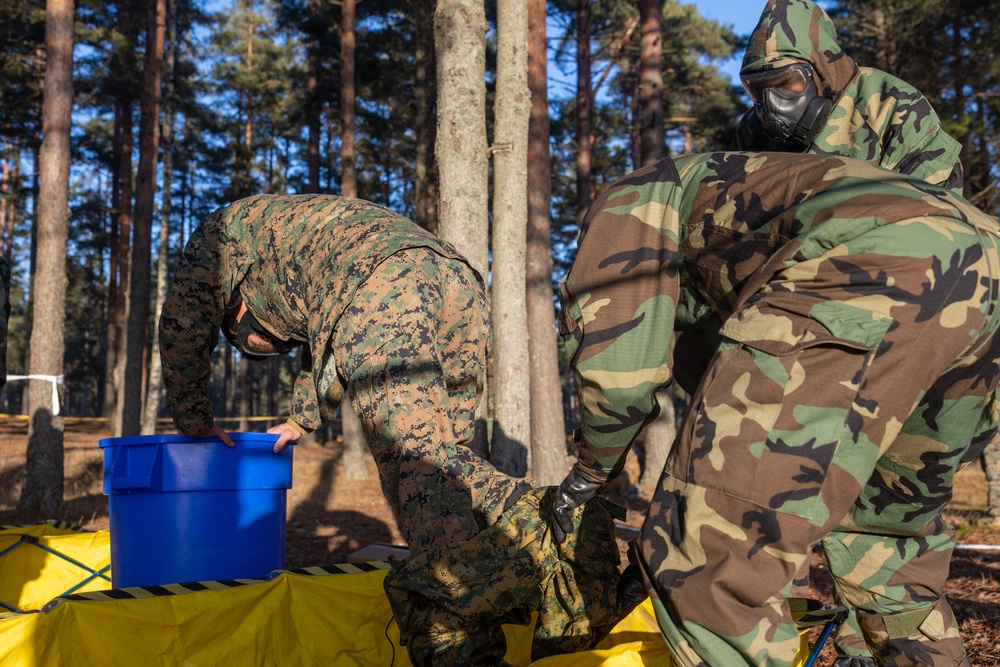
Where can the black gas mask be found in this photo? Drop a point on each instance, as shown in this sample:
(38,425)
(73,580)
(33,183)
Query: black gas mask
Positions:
(249,336)
(788,111)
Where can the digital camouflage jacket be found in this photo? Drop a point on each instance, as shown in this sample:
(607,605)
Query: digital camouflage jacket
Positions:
(297,261)
(669,252)
(876,117)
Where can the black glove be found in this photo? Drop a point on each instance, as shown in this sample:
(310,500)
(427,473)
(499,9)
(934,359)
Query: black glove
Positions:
(854,661)
(573,492)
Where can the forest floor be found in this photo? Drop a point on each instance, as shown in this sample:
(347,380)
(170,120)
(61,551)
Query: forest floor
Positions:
(330,517)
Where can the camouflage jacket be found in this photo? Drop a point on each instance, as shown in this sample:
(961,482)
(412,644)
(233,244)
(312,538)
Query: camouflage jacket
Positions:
(670,252)
(297,261)
(876,116)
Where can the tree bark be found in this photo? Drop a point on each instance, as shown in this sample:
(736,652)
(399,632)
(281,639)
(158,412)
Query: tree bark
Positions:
(425,192)
(548,427)
(651,81)
(348,153)
(155,390)
(511,383)
(139,264)
(584,104)
(659,434)
(460,47)
(43,482)
(355,448)
(460,147)
(313,104)
(121,223)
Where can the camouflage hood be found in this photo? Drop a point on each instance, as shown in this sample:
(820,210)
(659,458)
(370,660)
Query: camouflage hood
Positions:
(798,30)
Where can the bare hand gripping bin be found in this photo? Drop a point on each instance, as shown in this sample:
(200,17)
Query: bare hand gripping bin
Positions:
(191,509)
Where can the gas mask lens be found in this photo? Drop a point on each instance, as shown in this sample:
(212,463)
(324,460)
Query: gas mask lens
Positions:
(788,82)
(253,341)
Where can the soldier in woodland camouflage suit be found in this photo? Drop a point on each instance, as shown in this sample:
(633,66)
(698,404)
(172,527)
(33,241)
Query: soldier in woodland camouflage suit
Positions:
(835,324)
(396,317)
(809,95)
(843,109)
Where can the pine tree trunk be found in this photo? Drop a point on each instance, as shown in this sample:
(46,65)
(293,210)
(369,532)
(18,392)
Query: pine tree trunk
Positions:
(139,264)
(651,80)
(548,427)
(658,439)
(155,390)
(312,107)
(659,435)
(584,104)
(121,224)
(355,446)
(244,386)
(511,384)
(460,147)
(348,154)
(43,482)
(424,86)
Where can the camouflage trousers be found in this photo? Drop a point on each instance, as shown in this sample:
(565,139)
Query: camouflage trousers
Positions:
(847,391)
(411,348)
(450,601)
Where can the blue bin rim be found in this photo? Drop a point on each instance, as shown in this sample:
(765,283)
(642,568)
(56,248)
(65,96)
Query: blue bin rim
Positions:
(238,436)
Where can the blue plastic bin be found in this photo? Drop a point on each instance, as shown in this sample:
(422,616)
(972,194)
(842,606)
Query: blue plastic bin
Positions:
(192,509)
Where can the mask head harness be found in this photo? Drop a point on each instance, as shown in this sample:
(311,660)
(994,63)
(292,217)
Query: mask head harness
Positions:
(788,110)
(249,336)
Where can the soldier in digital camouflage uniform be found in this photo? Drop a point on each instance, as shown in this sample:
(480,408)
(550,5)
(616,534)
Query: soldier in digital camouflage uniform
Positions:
(838,108)
(396,317)
(385,309)
(834,323)
(809,95)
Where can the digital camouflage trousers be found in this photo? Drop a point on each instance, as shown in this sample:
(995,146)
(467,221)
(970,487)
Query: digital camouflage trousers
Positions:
(450,602)
(412,349)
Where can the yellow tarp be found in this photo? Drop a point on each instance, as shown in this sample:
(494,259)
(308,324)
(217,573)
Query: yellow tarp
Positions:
(292,619)
(31,574)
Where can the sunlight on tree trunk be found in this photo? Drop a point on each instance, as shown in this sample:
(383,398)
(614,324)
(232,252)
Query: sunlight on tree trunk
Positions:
(463,210)
(511,383)
(548,427)
(658,439)
(43,481)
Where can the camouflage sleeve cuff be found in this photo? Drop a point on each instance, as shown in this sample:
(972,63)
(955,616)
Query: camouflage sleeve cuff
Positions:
(303,430)
(596,475)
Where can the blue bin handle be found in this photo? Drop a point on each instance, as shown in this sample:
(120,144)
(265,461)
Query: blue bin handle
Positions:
(137,468)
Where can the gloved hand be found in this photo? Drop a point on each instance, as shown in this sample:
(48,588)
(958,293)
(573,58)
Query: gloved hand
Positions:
(854,661)
(573,492)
